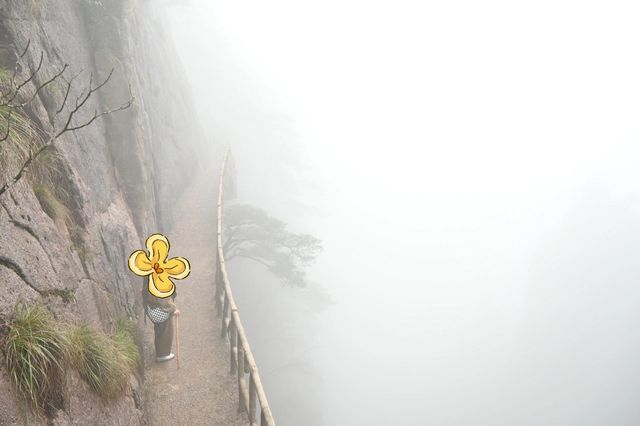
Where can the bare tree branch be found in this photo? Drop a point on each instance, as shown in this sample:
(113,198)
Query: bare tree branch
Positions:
(40,87)
(97,115)
(15,69)
(68,121)
(82,99)
(26,49)
(66,93)
(231,243)
(24,167)
(21,85)
(103,83)
(246,256)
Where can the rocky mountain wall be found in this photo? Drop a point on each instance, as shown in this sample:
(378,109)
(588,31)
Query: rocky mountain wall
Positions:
(68,226)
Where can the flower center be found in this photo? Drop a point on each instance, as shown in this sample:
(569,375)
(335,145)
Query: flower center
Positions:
(157,268)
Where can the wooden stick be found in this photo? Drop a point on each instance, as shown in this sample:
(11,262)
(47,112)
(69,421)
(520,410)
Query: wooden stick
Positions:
(178,341)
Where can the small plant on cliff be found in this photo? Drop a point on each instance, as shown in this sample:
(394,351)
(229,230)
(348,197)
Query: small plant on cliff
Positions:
(104,363)
(22,131)
(125,341)
(61,215)
(39,349)
(51,206)
(15,126)
(36,349)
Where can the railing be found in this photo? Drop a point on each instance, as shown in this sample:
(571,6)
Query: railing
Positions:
(241,359)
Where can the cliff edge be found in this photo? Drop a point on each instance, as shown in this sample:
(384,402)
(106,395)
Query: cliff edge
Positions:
(68,226)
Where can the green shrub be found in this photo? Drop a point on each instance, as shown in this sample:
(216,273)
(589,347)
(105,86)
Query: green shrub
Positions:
(102,361)
(36,350)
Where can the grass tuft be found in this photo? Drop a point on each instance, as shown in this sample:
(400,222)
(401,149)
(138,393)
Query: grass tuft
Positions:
(36,349)
(125,342)
(47,170)
(102,362)
(24,134)
(39,349)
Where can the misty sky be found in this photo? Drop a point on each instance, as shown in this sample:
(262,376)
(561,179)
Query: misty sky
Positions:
(472,170)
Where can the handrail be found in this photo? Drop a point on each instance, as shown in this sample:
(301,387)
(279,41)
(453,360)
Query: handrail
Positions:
(240,355)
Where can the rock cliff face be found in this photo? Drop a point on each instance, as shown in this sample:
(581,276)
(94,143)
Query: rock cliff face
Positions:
(67,227)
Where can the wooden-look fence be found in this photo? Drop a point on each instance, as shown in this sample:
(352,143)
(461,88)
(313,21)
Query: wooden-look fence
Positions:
(250,390)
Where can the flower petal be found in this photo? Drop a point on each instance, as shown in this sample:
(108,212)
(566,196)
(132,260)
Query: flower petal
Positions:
(140,264)
(160,285)
(158,247)
(177,267)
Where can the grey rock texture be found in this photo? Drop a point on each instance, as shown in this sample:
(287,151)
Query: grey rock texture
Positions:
(113,183)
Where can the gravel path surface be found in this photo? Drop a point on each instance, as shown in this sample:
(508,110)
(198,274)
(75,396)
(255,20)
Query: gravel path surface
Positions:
(201,392)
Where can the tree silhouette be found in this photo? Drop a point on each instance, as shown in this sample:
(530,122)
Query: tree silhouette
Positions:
(252,234)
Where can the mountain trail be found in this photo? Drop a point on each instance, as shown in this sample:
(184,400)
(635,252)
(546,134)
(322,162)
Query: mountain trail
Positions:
(201,392)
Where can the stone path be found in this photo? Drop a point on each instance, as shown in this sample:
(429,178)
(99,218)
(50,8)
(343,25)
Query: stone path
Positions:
(201,392)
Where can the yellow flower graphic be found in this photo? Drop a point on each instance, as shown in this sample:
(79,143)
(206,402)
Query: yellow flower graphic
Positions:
(157,267)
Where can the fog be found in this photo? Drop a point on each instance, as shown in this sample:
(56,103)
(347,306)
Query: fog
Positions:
(472,171)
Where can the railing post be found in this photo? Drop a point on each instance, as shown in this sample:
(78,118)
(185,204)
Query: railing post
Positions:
(218,283)
(233,345)
(252,400)
(241,368)
(224,315)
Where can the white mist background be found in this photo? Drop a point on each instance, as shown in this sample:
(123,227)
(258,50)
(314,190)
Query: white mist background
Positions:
(472,170)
